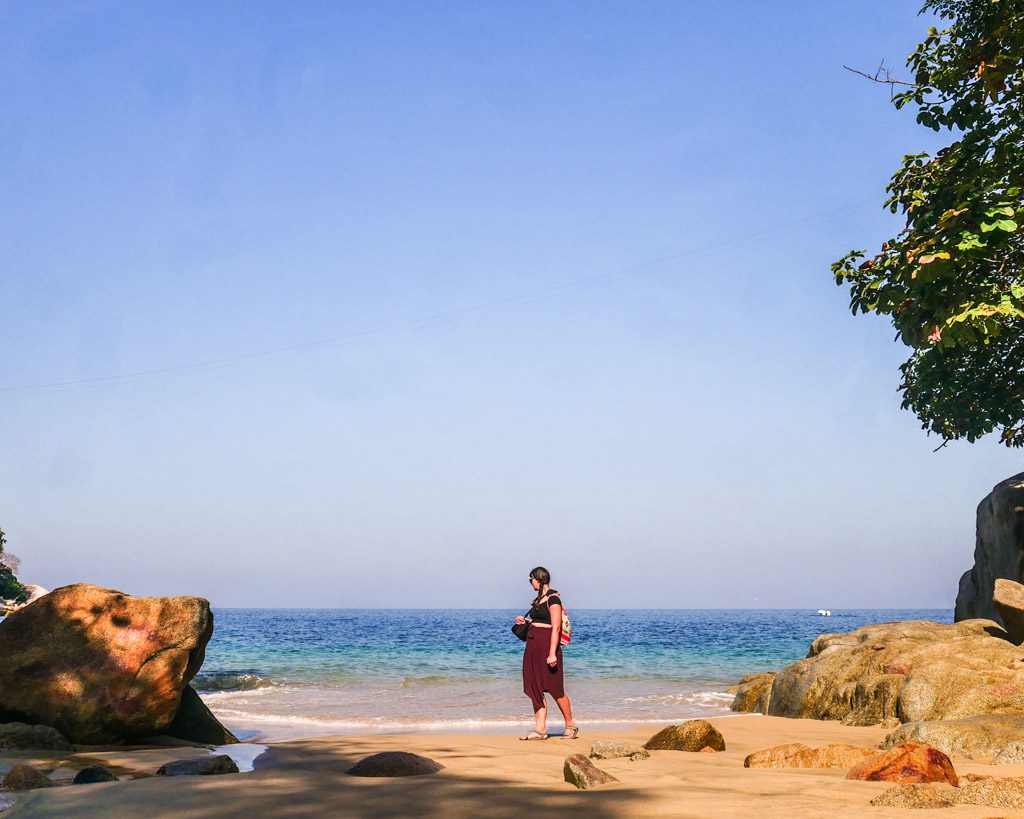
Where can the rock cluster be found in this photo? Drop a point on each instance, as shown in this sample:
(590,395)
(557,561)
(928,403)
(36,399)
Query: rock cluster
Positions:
(908,671)
(101,666)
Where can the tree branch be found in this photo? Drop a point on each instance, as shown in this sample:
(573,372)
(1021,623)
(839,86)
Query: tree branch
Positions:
(882,76)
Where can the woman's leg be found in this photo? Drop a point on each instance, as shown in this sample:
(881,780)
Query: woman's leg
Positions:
(540,716)
(566,708)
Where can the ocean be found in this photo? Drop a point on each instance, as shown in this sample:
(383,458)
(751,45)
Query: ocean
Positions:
(273,674)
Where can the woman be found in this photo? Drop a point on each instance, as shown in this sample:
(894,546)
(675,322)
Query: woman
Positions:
(542,659)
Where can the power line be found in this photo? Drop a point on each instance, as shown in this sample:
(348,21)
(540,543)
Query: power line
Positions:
(539,294)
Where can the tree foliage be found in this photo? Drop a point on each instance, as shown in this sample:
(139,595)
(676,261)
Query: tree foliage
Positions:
(10,588)
(952,280)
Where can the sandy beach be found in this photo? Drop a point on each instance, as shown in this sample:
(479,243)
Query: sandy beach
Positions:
(497,775)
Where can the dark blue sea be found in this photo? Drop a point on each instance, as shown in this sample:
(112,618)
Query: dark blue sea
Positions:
(280,673)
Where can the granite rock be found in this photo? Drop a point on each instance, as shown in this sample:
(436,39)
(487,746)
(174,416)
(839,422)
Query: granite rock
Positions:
(1008,599)
(17,736)
(906,763)
(616,750)
(23,777)
(798,755)
(92,775)
(99,665)
(199,766)
(394,763)
(584,774)
(694,735)
(910,671)
(978,737)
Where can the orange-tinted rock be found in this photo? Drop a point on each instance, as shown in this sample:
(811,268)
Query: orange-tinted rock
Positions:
(693,735)
(99,665)
(798,755)
(907,763)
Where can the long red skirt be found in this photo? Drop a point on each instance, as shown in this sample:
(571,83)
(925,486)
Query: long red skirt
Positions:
(537,676)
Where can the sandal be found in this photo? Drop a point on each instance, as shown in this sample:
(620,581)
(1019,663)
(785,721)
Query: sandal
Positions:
(571,732)
(534,735)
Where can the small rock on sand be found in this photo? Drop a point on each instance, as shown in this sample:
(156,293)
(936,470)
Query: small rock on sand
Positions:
(19,736)
(93,774)
(906,763)
(25,778)
(584,774)
(693,735)
(992,792)
(394,763)
(199,766)
(617,750)
(798,755)
(1012,753)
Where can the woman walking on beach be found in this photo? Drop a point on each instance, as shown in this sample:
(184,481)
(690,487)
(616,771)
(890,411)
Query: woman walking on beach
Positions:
(542,658)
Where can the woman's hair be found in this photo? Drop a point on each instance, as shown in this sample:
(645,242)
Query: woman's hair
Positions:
(542,576)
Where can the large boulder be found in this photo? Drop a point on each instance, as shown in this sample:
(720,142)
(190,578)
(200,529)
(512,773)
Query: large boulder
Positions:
(693,735)
(1008,598)
(99,665)
(977,737)
(909,762)
(998,550)
(910,671)
(798,755)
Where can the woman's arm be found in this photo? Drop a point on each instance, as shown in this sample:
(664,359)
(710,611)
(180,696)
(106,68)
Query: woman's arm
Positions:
(556,631)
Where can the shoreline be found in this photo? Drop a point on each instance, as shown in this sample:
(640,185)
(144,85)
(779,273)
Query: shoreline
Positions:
(497,775)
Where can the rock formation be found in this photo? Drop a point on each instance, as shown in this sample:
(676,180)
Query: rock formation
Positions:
(99,665)
(911,671)
(998,550)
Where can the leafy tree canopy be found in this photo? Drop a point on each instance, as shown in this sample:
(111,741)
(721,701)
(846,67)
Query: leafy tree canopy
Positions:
(10,588)
(952,280)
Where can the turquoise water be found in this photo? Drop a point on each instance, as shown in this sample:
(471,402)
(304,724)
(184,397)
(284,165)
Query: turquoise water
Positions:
(301,672)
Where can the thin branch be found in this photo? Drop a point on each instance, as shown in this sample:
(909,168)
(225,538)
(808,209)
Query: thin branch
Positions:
(882,76)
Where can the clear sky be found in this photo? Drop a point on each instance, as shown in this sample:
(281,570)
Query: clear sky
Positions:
(547,284)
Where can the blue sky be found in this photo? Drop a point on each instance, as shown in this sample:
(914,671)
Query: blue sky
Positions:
(548,284)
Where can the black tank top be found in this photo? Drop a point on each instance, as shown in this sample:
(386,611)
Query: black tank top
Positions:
(540,613)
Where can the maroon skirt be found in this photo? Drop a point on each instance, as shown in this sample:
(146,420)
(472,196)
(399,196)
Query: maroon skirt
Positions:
(537,676)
